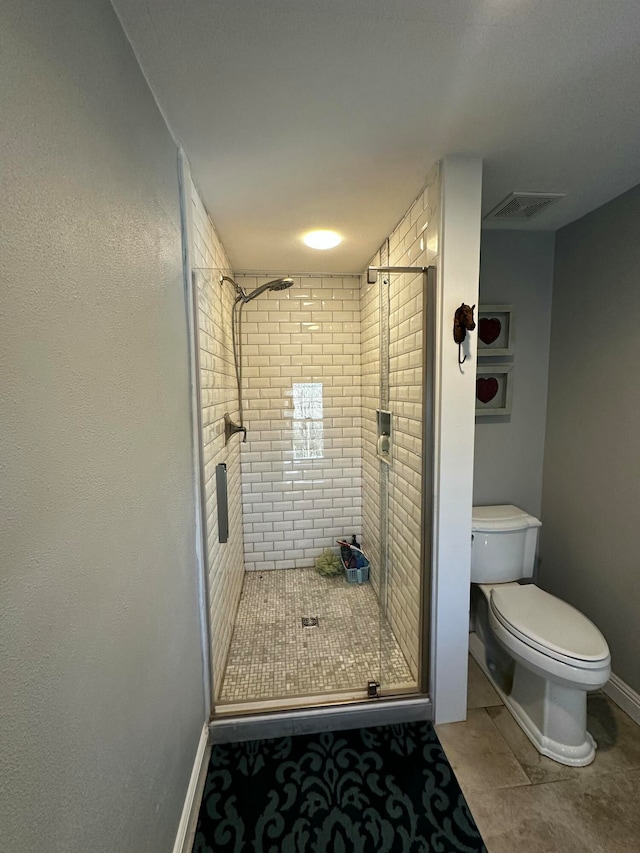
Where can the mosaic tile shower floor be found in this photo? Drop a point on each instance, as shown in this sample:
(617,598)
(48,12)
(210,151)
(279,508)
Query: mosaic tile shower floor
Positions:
(272,655)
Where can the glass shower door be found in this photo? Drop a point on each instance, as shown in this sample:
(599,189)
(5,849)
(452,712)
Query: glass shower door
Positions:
(407,312)
(283,634)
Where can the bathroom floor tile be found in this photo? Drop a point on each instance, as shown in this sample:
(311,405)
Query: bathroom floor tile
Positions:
(272,655)
(598,814)
(525,802)
(480,693)
(617,736)
(479,755)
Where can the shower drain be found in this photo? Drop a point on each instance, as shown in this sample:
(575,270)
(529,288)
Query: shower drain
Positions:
(309,621)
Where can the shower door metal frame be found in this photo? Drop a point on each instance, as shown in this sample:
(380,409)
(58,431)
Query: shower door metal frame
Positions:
(389,709)
(428,446)
(428,438)
(201,565)
(203,492)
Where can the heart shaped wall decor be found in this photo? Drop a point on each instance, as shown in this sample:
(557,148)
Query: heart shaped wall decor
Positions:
(486,389)
(489,329)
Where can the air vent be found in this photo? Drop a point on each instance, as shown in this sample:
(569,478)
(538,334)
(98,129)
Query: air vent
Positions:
(523,206)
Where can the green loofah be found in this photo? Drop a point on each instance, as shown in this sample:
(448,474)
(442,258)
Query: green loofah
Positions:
(328,564)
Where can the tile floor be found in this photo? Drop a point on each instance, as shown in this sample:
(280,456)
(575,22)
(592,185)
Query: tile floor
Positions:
(272,655)
(527,803)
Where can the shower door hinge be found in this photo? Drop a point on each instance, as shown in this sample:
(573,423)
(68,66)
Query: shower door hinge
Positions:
(373,690)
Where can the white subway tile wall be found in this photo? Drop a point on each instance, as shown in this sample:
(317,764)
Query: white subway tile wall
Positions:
(414,242)
(370,332)
(225,562)
(302,462)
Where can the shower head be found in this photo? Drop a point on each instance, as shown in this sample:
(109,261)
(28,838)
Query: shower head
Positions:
(241,293)
(276,284)
(281,284)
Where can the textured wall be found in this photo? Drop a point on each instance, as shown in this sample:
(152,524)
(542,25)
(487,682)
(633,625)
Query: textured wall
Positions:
(591,487)
(101,703)
(219,394)
(412,243)
(516,268)
(294,504)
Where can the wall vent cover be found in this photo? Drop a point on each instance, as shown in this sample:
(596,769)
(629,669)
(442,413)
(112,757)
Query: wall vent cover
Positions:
(523,206)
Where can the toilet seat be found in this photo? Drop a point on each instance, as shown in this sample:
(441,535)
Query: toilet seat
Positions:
(549,625)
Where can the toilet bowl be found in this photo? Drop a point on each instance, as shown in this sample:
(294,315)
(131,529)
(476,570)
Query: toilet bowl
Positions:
(541,654)
(549,636)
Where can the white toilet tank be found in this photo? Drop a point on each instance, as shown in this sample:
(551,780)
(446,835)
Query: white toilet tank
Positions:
(503,545)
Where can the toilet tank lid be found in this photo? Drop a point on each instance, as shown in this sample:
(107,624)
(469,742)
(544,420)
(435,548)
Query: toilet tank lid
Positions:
(502,517)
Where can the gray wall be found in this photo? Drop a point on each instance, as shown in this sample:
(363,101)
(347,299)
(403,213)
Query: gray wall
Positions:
(101,703)
(591,497)
(516,268)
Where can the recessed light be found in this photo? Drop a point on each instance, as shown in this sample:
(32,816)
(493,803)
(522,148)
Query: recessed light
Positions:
(322,239)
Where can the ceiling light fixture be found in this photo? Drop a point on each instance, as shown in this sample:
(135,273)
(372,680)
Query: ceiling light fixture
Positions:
(321,239)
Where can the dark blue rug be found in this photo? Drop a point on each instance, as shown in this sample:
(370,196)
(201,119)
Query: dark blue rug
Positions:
(388,789)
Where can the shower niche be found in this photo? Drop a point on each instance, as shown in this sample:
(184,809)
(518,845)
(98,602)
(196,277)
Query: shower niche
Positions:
(383,445)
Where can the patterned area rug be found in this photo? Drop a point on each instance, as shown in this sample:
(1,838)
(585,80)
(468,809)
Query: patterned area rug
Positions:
(388,789)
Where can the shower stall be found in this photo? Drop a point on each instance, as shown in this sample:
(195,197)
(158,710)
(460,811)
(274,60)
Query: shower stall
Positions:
(315,418)
(359,419)
(315,409)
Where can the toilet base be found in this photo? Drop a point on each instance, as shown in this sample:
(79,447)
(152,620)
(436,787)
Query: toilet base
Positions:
(553,716)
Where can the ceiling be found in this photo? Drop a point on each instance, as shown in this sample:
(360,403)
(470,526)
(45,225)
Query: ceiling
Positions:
(300,114)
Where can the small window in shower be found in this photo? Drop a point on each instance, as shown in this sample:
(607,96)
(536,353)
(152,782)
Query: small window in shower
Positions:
(308,428)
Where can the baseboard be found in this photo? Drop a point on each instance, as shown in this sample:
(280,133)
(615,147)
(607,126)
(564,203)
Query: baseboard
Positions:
(186,827)
(624,696)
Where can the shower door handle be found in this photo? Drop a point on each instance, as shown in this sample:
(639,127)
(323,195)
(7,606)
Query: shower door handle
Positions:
(222,501)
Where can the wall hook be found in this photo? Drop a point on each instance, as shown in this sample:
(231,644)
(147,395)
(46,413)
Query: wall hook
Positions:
(462,323)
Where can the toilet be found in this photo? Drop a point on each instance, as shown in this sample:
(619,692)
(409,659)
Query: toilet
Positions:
(540,653)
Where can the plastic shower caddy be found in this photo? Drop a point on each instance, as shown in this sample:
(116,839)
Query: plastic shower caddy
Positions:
(357,574)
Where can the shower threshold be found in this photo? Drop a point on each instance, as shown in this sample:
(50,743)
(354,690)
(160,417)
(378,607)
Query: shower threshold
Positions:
(323,717)
(289,703)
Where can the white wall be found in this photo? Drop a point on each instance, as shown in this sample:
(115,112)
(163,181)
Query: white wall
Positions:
(516,268)
(294,506)
(458,273)
(101,699)
(591,488)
